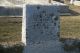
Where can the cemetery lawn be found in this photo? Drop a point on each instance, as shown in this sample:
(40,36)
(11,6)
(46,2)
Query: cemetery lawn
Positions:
(70,27)
(10,29)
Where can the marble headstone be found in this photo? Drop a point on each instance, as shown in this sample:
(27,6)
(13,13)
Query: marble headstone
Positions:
(40,28)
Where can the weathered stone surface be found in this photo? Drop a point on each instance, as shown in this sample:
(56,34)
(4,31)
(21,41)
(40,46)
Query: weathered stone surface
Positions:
(40,29)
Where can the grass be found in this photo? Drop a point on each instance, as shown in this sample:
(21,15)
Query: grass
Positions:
(16,48)
(10,29)
(10,35)
(70,27)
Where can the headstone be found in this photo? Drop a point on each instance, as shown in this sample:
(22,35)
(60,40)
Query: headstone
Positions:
(40,28)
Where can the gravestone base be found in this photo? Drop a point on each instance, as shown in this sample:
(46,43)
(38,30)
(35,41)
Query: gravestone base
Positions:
(52,46)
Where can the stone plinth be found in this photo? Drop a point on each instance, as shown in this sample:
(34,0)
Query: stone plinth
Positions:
(40,28)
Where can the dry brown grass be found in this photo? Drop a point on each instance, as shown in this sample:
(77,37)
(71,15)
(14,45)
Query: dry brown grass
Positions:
(70,27)
(10,29)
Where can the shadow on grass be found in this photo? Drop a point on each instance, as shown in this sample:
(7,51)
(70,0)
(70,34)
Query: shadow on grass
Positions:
(70,13)
(70,44)
(17,48)
(74,13)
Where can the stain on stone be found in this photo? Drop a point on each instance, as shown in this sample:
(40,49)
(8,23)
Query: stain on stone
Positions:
(56,18)
(58,26)
(43,11)
(37,24)
(38,7)
(58,34)
(52,21)
(40,16)
(54,24)
(41,32)
(46,27)
(51,15)
(38,43)
(41,20)
(44,24)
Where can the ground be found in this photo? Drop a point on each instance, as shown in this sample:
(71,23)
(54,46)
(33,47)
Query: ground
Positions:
(70,25)
(10,27)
